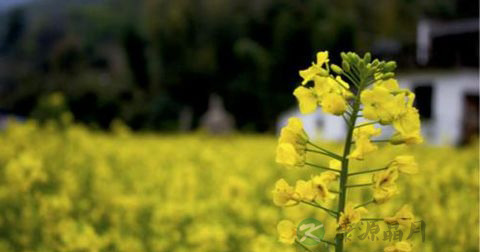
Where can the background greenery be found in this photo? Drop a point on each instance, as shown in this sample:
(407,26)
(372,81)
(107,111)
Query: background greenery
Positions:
(145,61)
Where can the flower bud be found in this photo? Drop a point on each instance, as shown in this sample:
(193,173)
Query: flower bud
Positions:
(390,66)
(388,75)
(346,66)
(367,57)
(336,69)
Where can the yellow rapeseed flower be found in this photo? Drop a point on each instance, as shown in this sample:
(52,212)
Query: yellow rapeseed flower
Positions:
(407,127)
(403,217)
(315,69)
(320,185)
(304,190)
(390,84)
(307,101)
(283,194)
(293,133)
(363,145)
(381,105)
(334,104)
(384,186)
(350,217)
(404,164)
(287,232)
(288,156)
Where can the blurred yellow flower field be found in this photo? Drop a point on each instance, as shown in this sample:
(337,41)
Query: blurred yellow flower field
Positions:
(74,189)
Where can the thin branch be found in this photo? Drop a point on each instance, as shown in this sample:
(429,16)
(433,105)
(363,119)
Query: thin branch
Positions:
(354,82)
(377,141)
(359,185)
(345,119)
(323,149)
(365,124)
(365,204)
(321,207)
(334,191)
(369,171)
(321,167)
(324,153)
(380,141)
(303,246)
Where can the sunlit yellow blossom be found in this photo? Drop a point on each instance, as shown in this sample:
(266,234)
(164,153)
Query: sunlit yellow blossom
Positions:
(324,86)
(328,177)
(390,84)
(399,247)
(287,232)
(403,217)
(407,128)
(292,136)
(315,69)
(405,164)
(283,194)
(320,185)
(288,156)
(380,104)
(293,133)
(334,104)
(350,217)
(306,98)
(363,145)
(384,186)
(304,190)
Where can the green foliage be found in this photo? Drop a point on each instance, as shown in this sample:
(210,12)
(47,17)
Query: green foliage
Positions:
(143,61)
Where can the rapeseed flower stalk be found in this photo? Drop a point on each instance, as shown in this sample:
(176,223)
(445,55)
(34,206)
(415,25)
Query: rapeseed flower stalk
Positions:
(360,88)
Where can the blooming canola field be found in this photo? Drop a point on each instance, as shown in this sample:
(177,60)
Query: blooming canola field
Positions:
(75,189)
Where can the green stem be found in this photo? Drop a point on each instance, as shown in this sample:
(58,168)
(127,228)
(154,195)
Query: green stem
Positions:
(369,171)
(346,151)
(330,211)
(365,204)
(323,149)
(365,124)
(358,185)
(378,141)
(325,153)
(303,246)
(321,167)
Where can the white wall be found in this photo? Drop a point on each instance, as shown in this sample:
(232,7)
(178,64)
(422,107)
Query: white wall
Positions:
(449,89)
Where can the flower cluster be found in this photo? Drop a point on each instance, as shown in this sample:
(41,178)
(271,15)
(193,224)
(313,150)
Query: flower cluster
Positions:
(292,144)
(361,88)
(328,92)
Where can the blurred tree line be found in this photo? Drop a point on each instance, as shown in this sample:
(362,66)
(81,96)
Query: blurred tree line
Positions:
(145,61)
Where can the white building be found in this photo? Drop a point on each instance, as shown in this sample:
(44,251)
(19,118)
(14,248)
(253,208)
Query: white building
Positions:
(444,100)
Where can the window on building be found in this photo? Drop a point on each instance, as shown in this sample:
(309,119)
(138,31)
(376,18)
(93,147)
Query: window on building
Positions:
(423,101)
(470,126)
